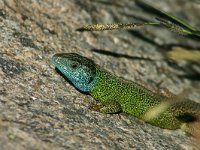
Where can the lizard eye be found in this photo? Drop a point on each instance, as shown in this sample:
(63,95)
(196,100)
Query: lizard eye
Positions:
(73,65)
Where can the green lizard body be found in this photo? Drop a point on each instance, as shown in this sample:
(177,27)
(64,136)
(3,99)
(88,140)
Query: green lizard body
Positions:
(119,95)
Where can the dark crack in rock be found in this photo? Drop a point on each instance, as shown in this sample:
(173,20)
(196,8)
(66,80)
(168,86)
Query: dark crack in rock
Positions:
(25,40)
(11,68)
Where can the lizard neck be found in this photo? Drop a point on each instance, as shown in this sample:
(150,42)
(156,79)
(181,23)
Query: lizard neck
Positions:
(104,86)
(86,88)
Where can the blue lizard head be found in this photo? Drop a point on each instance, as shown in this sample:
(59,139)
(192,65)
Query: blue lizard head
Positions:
(79,70)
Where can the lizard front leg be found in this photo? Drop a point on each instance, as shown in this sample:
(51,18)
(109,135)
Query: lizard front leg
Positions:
(107,108)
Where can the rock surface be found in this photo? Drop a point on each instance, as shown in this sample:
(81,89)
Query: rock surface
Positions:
(40,110)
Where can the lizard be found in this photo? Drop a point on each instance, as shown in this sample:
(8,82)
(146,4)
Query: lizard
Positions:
(115,94)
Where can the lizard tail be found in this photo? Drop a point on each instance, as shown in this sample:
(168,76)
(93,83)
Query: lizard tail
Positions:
(193,127)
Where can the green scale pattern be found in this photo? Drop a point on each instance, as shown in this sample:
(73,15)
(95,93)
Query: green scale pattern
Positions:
(136,100)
